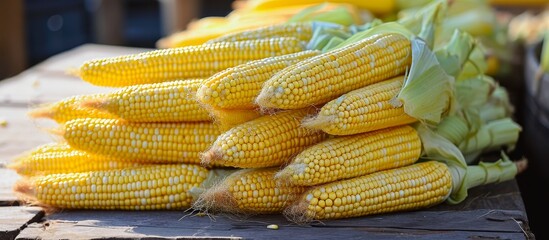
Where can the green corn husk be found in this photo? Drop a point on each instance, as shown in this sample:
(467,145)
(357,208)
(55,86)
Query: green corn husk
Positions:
(453,55)
(491,136)
(426,75)
(498,106)
(475,92)
(464,177)
(425,21)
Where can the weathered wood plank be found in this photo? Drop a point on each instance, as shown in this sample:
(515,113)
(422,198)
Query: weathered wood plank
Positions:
(34,87)
(21,133)
(49,81)
(104,224)
(15,219)
(7,181)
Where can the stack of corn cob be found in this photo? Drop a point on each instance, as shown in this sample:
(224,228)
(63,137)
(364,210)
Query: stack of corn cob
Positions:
(359,120)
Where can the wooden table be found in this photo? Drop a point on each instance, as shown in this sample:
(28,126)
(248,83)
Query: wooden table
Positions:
(491,212)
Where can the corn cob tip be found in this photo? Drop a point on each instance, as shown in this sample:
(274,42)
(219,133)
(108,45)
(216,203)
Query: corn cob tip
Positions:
(14,165)
(318,122)
(42,111)
(297,212)
(285,175)
(96,103)
(24,190)
(209,157)
(263,100)
(73,71)
(58,131)
(216,199)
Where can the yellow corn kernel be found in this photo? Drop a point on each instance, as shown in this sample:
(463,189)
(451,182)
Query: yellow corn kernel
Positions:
(406,188)
(200,61)
(68,109)
(325,77)
(237,87)
(250,191)
(150,187)
(62,158)
(362,110)
(302,31)
(351,156)
(147,142)
(173,101)
(267,141)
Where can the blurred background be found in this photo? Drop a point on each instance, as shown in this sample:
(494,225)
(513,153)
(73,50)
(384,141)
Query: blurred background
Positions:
(33,30)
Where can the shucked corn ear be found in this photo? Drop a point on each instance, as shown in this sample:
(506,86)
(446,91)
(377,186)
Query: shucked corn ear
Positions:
(322,78)
(302,31)
(362,110)
(147,142)
(351,156)
(249,191)
(62,158)
(150,187)
(200,61)
(419,185)
(267,141)
(173,101)
(68,109)
(407,188)
(237,87)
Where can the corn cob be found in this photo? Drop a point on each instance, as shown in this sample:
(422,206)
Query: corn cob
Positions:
(182,63)
(351,156)
(147,142)
(322,78)
(237,87)
(376,7)
(150,187)
(173,101)
(249,191)
(263,142)
(362,110)
(68,109)
(407,188)
(301,31)
(61,158)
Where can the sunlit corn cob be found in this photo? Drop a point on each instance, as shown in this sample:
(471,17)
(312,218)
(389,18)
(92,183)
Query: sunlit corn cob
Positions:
(250,191)
(237,87)
(406,188)
(200,61)
(147,142)
(362,110)
(68,109)
(150,187)
(301,31)
(173,101)
(263,142)
(377,7)
(325,77)
(62,158)
(351,156)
